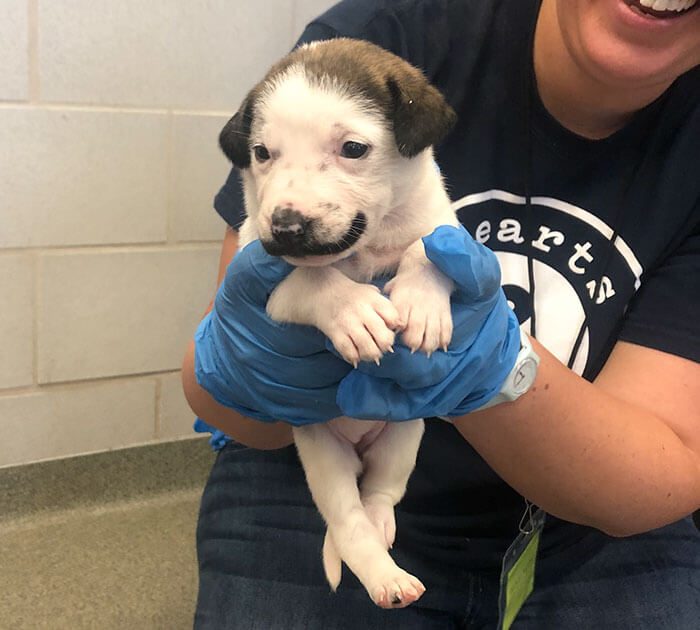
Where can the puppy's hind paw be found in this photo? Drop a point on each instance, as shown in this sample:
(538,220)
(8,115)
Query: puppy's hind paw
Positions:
(398,591)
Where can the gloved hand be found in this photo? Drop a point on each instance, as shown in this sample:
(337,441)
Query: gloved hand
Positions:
(485,344)
(261,368)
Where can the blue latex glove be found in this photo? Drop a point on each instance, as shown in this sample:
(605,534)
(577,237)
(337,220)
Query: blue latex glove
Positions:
(261,368)
(485,344)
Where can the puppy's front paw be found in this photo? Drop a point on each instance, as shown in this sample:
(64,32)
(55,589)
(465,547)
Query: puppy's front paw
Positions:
(423,303)
(361,324)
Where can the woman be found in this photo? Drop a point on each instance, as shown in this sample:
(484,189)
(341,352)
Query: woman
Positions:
(574,159)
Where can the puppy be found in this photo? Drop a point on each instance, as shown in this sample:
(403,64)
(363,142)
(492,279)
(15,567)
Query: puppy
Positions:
(334,145)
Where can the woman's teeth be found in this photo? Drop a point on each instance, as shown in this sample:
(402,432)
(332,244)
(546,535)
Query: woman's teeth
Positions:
(655,7)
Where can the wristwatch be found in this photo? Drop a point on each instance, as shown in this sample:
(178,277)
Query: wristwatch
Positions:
(520,378)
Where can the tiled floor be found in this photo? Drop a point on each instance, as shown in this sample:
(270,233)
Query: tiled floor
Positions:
(127,563)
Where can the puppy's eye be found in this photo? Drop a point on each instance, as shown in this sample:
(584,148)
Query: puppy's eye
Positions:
(353,150)
(261,153)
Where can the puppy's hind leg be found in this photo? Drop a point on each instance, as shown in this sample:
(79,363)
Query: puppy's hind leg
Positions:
(388,463)
(332,466)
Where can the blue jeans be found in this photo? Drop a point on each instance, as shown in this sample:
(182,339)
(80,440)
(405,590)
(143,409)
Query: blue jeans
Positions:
(259,542)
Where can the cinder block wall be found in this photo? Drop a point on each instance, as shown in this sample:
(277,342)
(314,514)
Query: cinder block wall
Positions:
(109,116)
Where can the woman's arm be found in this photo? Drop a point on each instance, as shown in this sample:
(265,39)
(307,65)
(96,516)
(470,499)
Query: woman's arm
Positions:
(253,433)
(621,454)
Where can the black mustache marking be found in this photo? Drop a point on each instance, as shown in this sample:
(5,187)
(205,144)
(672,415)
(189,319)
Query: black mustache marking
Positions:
(311,247)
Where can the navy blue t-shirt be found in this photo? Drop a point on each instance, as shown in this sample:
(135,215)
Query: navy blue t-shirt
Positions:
(608,248)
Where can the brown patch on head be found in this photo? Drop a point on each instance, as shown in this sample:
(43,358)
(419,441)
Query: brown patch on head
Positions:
(416,111)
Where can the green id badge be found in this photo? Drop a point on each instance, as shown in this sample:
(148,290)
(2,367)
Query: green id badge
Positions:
(518,571)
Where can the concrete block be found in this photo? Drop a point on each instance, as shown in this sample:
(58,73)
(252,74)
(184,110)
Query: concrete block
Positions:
(199,171)
(176,418)
(73,177)
(14,57)
(120,312)
(200,54)
(17,288)
(70,420)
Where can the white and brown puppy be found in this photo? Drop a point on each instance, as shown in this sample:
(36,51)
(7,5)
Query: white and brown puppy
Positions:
(334,145)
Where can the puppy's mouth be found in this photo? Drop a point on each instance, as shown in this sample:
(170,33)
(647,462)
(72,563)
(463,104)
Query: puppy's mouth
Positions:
(300,242)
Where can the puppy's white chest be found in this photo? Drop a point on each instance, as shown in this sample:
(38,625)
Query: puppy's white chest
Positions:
(370,263)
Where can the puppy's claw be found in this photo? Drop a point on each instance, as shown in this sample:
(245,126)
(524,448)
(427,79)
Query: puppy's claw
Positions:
(399,592)
(400,325)
(376,361)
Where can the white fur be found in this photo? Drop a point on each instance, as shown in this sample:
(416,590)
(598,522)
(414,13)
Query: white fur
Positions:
(303,127)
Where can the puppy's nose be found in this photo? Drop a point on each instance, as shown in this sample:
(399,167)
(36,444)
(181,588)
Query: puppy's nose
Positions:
(288,225)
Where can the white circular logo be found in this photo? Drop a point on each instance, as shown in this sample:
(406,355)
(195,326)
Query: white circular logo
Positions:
(582,275)
(557,308)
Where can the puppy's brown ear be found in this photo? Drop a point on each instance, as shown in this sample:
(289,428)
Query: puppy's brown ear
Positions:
(235,136)
(420,114)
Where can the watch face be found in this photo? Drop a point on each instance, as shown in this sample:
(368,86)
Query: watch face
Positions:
(524,375)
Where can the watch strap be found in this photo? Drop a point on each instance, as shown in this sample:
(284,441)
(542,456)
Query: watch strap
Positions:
(520,378)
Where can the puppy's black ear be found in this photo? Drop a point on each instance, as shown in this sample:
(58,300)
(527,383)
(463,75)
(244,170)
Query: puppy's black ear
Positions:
(420,115)
(235,136)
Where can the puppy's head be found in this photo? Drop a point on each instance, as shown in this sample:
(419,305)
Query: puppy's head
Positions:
(321,139)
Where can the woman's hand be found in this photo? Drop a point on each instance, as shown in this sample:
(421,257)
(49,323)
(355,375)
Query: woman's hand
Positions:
(484,347)
(263,369)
